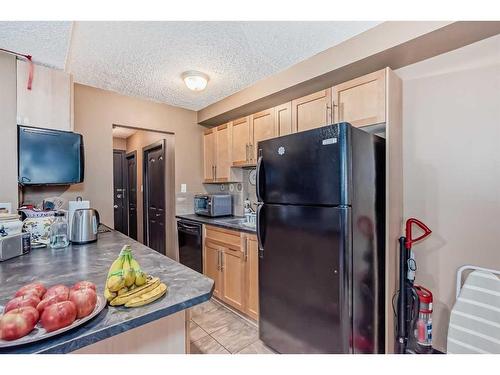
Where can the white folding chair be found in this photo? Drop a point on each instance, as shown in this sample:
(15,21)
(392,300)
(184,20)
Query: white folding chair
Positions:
(475,318)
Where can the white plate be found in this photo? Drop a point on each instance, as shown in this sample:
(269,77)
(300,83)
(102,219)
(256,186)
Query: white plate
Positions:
(39,333)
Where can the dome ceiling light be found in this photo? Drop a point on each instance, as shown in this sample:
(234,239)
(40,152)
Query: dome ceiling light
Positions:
(196,81)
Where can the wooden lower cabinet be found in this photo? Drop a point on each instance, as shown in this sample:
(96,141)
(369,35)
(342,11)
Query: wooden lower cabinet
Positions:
(252,277)
(230,258)
(233,278)
(211,266)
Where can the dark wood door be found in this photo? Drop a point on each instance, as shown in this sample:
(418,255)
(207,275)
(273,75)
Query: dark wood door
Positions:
(131,161)
(119,191)
(154,196)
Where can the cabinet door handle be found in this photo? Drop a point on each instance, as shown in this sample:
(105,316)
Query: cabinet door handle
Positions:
(218,260)
(215,172)
(221,260)
(246,151)
(328,118)
(245,250)
(250,151)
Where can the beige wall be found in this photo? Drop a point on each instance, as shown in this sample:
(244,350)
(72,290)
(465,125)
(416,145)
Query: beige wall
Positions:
(8,130)
(119,143)
(97,110)
(451,119)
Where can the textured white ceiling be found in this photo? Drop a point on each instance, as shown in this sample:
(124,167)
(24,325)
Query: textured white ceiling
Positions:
(48,42)
(146,59)
(119,132)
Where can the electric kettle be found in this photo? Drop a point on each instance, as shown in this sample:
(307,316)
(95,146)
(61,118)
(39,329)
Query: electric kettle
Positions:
(84,226)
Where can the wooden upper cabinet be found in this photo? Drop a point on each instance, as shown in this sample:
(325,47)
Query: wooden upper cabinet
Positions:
(240,141)
(262,127)
(211,266)
(361,101)
(251,256)
(223,154)
(312,111)
(209,145)
(283,119)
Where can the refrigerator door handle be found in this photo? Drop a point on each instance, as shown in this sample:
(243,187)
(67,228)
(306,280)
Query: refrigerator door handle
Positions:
(259,233)
(258,179)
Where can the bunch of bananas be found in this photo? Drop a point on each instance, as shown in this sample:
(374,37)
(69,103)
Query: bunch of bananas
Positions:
(128,285)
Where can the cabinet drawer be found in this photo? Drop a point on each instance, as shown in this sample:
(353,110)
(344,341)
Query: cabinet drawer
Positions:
(223,237)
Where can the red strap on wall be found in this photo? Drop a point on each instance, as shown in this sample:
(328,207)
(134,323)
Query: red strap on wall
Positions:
(30,74)
(30,61)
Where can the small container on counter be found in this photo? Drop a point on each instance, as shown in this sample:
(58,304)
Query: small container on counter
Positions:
(59,232)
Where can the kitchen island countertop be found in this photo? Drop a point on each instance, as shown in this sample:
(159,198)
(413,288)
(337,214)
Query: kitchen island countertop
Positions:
(186,288)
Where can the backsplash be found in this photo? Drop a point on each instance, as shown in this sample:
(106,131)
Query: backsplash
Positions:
(238,190)
(184,203)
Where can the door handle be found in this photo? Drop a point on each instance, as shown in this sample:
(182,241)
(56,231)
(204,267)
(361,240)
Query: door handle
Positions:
(245,250)
(115,206)
(259,232)
(258,179)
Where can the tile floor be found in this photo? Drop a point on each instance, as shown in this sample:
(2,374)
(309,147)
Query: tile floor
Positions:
(214,329)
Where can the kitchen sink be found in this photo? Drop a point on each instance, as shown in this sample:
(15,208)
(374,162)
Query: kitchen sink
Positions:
(238,221)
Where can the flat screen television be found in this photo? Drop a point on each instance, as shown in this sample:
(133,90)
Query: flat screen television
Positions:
(49,157)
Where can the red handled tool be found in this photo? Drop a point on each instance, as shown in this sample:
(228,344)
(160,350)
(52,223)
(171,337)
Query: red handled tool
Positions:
(408,297)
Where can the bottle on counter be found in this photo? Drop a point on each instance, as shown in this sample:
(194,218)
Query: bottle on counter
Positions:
(59,232)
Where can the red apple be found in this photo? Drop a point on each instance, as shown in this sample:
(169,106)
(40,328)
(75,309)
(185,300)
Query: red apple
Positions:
(44,303)
(33,288)
(57,290)
(59,315)
(21,301)
(30,313)
(84,284)
(17,323)
(85,300)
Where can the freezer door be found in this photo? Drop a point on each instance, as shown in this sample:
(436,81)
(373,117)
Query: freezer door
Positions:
(304,278)
(307,168)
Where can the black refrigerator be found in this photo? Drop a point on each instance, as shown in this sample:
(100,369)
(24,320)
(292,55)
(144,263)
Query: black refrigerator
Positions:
(321,228)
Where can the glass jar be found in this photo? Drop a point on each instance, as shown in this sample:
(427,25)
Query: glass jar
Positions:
(59,232)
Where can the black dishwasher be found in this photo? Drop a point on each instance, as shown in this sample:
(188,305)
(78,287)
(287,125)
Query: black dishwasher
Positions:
(190,246)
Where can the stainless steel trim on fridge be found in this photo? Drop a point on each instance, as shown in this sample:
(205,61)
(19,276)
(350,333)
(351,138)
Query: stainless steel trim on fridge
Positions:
(321,230)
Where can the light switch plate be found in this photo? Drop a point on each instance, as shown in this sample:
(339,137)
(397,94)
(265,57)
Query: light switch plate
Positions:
(183,188)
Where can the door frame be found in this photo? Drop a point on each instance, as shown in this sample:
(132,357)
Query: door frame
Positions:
(128,155)
(124,191)
(163,144)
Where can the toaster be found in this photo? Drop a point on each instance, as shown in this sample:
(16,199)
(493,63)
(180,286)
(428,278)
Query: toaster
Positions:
(213,205)
(14,245)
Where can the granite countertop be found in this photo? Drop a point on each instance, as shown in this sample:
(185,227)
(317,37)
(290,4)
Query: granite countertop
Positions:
(186,287)
(222,222)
